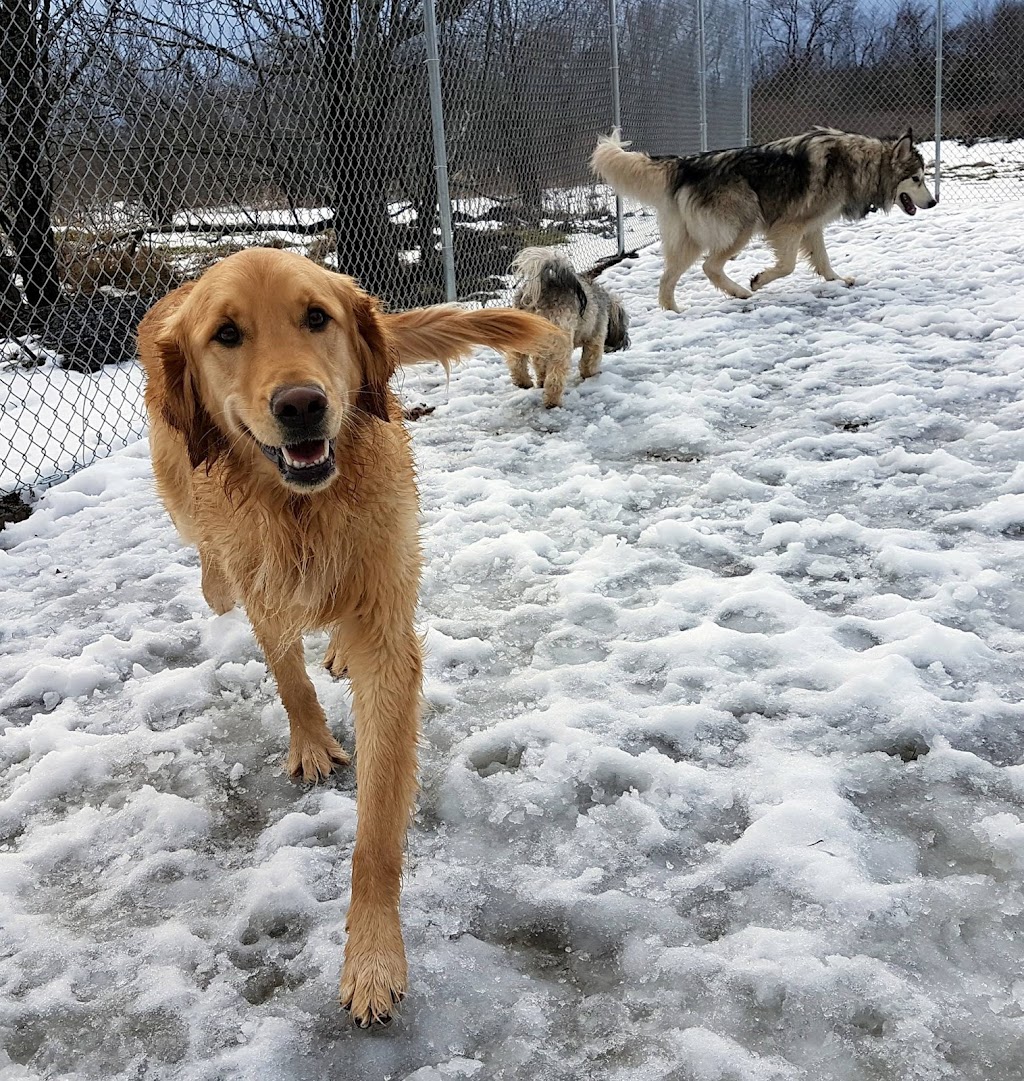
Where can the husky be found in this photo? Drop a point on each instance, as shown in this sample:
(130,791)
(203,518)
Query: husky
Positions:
(586,313)
(711,204)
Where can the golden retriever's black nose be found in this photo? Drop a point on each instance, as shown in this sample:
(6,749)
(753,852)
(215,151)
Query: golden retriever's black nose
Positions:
(298,406)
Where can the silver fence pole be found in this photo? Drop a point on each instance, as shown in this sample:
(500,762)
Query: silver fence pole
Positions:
(613,41)
(444,203)
(747,78)
(938,96)
(702,85)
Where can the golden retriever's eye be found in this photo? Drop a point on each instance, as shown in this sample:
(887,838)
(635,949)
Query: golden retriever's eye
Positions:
(228,334)
(317,319)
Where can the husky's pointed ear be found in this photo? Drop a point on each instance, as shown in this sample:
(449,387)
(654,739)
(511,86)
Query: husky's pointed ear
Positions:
(903,148)
(375,351)
(171,390)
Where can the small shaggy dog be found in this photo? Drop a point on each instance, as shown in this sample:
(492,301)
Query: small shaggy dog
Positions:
(279,451)
(588,315)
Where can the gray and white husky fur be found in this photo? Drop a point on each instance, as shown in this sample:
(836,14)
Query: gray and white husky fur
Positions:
(712,204)
(586,313)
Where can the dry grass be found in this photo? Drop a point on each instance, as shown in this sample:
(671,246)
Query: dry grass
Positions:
(89,263)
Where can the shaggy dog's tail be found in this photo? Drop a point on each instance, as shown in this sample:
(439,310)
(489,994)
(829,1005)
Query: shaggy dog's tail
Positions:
(618,327)
(631,173)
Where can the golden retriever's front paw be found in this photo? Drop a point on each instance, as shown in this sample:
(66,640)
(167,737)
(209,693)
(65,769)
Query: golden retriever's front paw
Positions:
(335,663)
(313,760)
(374,979)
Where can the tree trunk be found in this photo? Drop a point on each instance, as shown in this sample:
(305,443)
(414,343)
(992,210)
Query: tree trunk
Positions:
(355,81)
(24,117)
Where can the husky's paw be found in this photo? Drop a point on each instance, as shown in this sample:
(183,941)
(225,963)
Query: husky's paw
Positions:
(755,283)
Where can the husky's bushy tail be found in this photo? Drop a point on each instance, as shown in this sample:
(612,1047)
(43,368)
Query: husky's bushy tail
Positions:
(631,173)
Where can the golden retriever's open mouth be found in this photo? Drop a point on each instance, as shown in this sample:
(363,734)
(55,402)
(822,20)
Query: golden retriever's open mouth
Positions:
(307,464)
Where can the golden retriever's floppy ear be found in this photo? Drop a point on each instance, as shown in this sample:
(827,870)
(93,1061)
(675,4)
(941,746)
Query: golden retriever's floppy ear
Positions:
(171,391)
(376,353)
(445,333)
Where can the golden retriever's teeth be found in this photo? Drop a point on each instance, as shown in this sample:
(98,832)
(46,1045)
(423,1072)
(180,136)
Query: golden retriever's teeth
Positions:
(305,463)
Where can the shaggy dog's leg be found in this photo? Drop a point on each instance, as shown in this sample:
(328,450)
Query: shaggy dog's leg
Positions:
(312,752)
(679,252)
(593,351)
(786,245)
(556,371)
(813,246)
(714,267)
(518,366)
(385,668)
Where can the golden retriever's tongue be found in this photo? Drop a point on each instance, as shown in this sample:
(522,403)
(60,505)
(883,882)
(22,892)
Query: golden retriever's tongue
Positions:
(311,452)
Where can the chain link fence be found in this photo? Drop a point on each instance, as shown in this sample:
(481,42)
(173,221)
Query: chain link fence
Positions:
(953,70)
(140,141)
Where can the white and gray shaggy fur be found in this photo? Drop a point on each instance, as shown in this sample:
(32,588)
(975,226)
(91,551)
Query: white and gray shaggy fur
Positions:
(586,313)
(712,204)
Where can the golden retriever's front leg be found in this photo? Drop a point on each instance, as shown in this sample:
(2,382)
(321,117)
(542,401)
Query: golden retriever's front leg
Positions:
(217,589)
(312,752)
(386,675)
(334,658)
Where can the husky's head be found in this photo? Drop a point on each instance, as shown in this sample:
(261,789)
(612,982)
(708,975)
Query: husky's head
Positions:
(908,168)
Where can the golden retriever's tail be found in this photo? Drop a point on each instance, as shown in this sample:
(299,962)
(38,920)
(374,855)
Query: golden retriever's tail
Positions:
(446,333)
(632,173)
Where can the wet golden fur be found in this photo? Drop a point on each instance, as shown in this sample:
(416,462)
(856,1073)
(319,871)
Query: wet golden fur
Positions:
(341,554)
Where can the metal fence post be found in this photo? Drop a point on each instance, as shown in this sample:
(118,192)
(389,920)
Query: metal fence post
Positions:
(747,80)
(613,41)
(444,204)
(702,84)
(938,96)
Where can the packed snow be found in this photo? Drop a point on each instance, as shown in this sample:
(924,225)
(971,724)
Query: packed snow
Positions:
(721,761)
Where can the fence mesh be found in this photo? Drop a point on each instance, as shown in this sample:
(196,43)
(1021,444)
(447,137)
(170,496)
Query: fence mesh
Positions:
(142,140)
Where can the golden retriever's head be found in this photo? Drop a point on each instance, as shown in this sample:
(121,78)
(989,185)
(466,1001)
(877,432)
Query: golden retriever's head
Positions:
(269,351)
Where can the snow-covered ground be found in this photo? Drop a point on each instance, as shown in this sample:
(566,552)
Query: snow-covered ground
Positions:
(721,768)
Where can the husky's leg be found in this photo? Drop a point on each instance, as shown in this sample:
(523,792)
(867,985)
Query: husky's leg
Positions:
(813,246)
(519,369)
(714,266)
(786,244)
(556,370)
(679,252)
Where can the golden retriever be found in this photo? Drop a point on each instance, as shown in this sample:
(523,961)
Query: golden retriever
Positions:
(279,451)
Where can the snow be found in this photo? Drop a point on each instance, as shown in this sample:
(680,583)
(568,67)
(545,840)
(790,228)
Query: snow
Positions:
(722,761)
